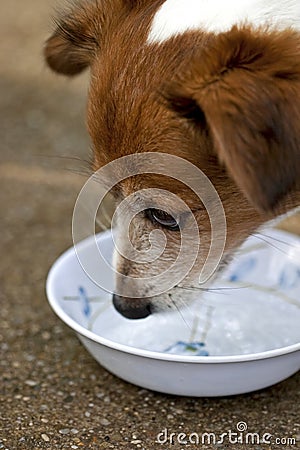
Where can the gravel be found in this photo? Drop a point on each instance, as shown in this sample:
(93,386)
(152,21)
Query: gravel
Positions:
(53,395)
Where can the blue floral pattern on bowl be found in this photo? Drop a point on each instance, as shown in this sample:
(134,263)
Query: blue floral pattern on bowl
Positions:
(187,348)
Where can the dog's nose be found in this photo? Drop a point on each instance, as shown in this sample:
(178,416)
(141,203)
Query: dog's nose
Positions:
(132,308)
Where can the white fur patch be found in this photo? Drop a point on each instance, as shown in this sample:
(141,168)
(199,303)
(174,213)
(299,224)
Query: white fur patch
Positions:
(177,16)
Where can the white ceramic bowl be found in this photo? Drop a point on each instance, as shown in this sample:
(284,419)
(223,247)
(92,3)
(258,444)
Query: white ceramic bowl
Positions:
(242,336)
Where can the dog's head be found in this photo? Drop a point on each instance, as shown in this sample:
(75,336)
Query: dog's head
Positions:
(228,103)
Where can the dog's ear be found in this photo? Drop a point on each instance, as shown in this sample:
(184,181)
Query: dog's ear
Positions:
(244,87)
(74,41)
(78,35)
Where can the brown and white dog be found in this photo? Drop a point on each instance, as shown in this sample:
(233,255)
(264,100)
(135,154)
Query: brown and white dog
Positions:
(214,82)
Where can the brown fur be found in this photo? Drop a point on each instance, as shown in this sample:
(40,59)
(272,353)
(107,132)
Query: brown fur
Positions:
(229,103)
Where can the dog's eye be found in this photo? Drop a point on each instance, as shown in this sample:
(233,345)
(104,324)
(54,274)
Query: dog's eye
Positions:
(162,218)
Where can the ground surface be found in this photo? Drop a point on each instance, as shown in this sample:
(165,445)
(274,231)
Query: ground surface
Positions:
(53,395)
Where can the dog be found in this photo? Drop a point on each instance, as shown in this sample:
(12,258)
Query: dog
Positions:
(214,83)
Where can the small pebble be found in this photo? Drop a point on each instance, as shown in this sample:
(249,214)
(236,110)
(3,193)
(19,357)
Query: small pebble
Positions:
(104,422)
(46,335)
(64,431)
(31,383)
(87,414)
(74,431)
(45,438)
(136,441)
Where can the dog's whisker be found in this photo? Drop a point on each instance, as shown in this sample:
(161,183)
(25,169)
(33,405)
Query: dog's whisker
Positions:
(191,288)
(180,301)
(289,244)
(82,172)
(72,158)
(218,290)
(258,236)
(84,169)
(180,313)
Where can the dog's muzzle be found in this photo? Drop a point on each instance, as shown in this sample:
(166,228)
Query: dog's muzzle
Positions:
(132,308)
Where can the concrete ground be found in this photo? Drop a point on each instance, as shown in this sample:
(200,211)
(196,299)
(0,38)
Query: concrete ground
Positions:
(53,395)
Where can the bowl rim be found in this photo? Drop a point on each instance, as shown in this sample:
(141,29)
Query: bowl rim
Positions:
(54,303)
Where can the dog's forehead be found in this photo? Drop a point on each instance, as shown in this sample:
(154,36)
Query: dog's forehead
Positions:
(127,112)
(126,109)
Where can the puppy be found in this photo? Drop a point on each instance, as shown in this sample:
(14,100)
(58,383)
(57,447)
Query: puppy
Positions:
(214,83)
